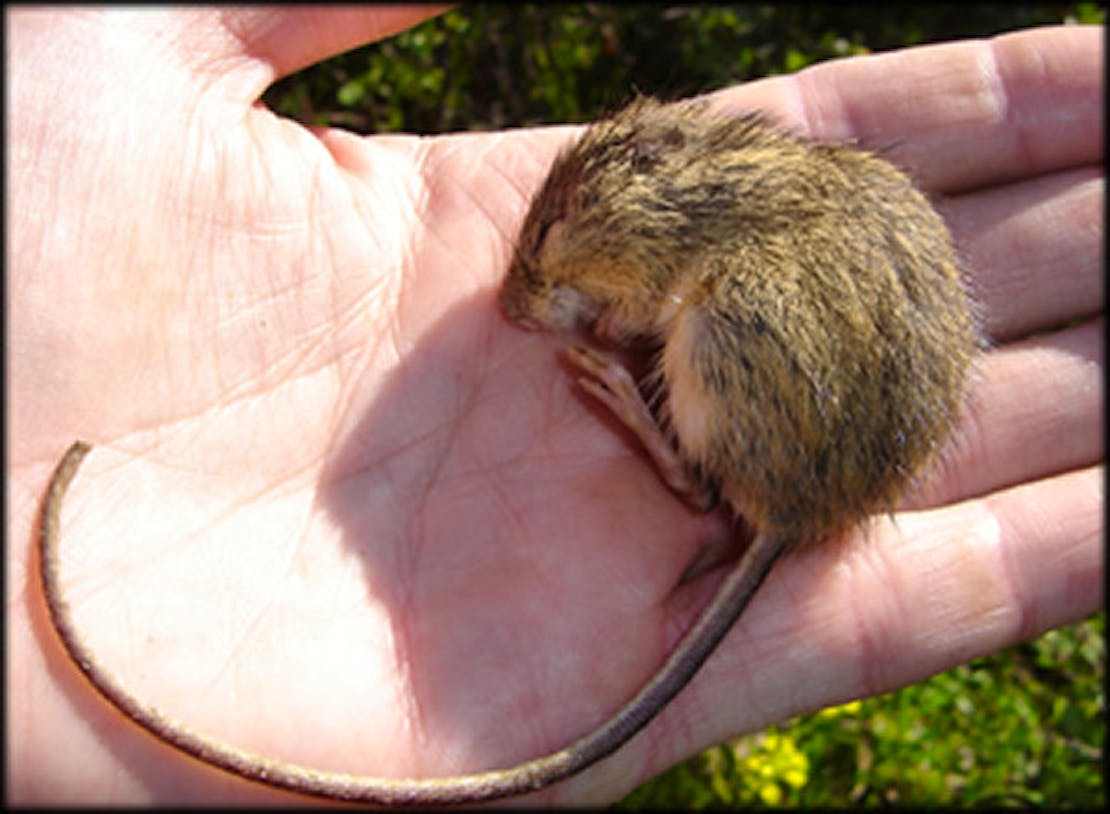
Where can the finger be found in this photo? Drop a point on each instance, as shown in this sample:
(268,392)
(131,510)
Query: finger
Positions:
(968,114)
(1035,410)
(288,38)
(1034,250)
(978,576)
(957,115)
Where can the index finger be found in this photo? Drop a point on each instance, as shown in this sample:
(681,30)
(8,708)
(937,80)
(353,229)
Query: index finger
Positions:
(956,115)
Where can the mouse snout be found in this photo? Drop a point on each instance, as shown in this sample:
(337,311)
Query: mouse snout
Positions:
(513,300)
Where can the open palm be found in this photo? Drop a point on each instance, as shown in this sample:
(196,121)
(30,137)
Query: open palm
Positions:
(340,512)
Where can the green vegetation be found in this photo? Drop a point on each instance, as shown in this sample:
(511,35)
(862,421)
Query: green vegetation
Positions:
(1020,728)
(489,66)
(1023,727)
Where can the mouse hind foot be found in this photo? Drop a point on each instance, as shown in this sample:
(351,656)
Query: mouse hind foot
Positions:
(609,382)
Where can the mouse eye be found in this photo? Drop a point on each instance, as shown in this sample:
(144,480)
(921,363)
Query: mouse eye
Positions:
(541,234)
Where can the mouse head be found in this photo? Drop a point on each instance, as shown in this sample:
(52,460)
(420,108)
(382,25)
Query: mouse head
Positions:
(544,286)
(572,259)
(609,229)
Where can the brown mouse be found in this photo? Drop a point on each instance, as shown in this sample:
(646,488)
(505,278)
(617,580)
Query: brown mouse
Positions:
(811,341)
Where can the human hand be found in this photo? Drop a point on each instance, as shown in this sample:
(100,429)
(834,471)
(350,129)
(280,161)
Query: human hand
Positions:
(343,514)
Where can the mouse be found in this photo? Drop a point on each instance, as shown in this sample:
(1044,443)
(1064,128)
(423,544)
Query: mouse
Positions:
(810,339)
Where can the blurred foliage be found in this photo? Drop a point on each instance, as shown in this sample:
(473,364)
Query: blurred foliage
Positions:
(488,66)
(1020,728)
(1023,727)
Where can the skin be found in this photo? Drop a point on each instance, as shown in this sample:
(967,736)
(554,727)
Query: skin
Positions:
(736,290)
(326,479)
(696,646)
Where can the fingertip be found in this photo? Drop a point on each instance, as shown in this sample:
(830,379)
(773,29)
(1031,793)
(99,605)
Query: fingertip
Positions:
(291,38)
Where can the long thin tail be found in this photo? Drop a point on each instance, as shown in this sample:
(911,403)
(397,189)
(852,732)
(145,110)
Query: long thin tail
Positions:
(691,652)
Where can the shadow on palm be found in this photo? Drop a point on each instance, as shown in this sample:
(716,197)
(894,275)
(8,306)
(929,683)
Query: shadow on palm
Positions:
(519,546)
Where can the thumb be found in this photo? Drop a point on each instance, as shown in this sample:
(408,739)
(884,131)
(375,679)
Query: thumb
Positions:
(288,39)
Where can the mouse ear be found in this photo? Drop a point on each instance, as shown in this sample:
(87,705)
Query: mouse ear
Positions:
(652,131)
(650,146)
